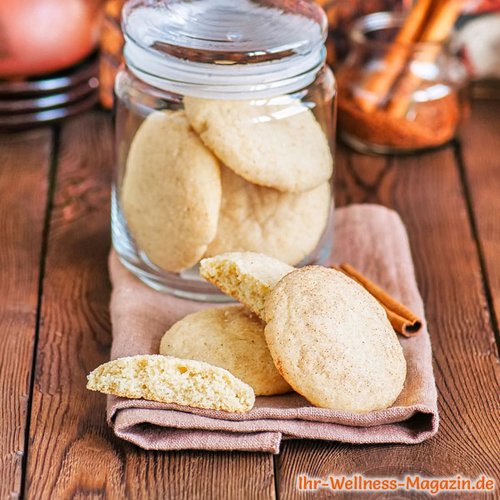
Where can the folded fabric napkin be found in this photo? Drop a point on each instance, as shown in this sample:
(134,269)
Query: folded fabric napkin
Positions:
(370,237)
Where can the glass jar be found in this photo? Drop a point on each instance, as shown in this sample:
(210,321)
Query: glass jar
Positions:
(225,123)
(398,98)
(342,14)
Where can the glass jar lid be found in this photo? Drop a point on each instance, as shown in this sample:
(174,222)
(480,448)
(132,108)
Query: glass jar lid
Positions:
(207,47)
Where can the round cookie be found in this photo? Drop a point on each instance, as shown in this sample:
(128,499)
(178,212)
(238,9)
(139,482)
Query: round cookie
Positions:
(171,191)
(277,146)
(231,338)
(287,226)
(332,342)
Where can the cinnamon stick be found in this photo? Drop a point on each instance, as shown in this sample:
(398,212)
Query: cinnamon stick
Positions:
(437,30)
(378,84)
(402,319)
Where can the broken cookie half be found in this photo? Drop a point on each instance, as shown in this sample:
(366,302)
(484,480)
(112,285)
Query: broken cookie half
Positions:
(172,380)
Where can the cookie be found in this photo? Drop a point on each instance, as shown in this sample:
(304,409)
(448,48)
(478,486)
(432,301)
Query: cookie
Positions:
(172,380)
(332,342)
(281,146)
(230,337)
(171,192)
(246,276)
(287,226)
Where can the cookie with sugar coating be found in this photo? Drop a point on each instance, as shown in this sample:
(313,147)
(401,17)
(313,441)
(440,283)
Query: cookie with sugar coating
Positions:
(332,342)
(248,277)
(172,380)
(231,337)
(171,191)
(287,226)
(281,146)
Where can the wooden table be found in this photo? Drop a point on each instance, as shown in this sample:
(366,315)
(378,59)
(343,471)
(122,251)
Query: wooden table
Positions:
(54,322)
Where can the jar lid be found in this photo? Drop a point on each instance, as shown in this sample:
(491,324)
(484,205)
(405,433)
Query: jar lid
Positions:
(196,46)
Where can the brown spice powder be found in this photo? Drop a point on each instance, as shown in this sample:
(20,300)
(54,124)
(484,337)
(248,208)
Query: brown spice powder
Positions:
(435,122)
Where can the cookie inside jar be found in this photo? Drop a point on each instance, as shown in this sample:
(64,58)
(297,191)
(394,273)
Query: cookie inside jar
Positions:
(224,138)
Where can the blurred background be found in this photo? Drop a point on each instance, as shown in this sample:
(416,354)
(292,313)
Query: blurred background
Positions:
(59,58)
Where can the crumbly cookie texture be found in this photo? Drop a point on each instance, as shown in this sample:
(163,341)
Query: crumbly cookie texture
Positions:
(253,218)
(281,146)
(231,337)
(172,380)
(246,276)
(171,191)
(332,342)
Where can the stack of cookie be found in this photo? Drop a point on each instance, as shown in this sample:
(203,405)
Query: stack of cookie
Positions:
(313,330)
(328,337)
(224,176)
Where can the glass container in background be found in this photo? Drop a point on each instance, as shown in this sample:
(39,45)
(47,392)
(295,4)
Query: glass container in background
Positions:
(420,107)
(341,16)
(225,124)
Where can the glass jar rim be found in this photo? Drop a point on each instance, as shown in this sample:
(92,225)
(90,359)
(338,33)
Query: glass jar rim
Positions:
(379,21)
(207,68)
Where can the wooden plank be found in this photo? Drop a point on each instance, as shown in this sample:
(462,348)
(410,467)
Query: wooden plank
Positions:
(427,192)
(72,452)
(481,162)
(24,167)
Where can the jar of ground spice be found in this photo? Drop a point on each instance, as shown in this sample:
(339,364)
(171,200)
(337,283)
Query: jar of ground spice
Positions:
(224,132)
(401,87)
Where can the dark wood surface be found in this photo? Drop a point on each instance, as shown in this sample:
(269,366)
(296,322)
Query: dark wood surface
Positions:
(24,170)
(54,323)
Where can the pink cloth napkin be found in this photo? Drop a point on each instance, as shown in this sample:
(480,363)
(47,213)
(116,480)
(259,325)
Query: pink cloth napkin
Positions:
(370,237)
